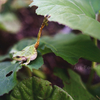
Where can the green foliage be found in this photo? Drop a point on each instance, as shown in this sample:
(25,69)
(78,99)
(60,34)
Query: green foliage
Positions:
(95,5)
(20,4)
(73,85)
(7,83)
(7,79)
(38,89)
(71,47)
(95,90)
(37,63)
(77,14)
(3,57)
(68,46)
(39,73)
(22,44)
(9,22)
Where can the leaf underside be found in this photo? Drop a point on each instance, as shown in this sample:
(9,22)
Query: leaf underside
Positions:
(77,14)
(72,47)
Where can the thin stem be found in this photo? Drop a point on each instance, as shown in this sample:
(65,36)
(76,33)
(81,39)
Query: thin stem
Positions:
(39,35)
(92,72)
(40,30)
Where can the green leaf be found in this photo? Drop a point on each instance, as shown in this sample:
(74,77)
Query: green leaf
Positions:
(39,74)
(37,63)
(43,48)
(72,47)
(77,14)
(23,43)
(73,85)
(95,90)
(97,69)
(3,57)
(20,4)
(38,89)
(68,46)
(7,77)
(10,23)
(95,4)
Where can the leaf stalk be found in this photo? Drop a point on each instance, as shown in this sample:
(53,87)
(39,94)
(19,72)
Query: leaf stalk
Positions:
(92,72)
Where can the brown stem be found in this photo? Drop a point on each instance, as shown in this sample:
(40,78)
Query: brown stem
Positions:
(40,30)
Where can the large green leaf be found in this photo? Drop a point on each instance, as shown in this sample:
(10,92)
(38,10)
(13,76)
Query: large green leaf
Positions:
(73,85)
(7,77)
(77,14)
(68,46)
(71,47)
(38,89)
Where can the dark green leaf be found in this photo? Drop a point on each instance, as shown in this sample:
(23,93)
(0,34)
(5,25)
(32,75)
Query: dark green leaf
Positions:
(38,89)
(71,47)
(7,77)
(77,14)
(37,63)
(95,90)
(73,85)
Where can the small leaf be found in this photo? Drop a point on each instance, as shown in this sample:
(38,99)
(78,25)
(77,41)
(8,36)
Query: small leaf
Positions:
(7,77)
(9,22)
(3,57)
(73,85)
(20,4)
(38,89)
(77,14)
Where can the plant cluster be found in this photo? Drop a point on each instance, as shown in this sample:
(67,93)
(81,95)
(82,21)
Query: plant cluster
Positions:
(77,14)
